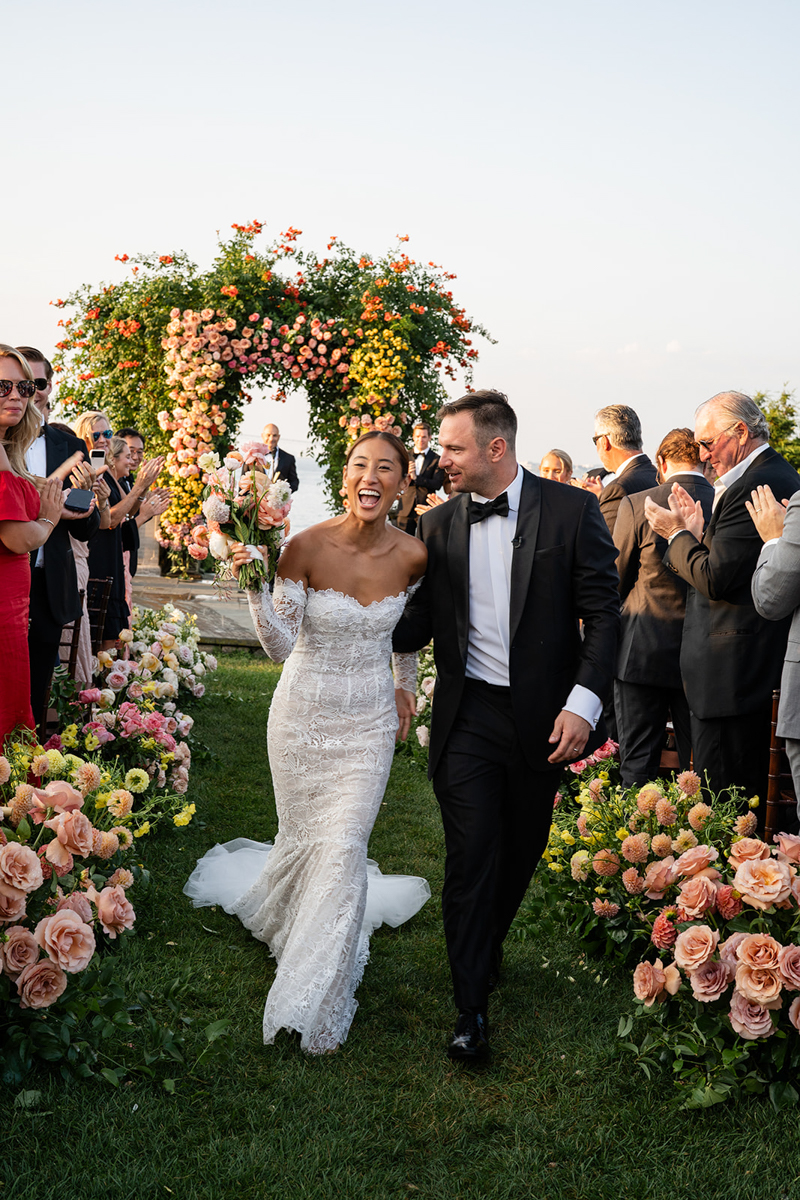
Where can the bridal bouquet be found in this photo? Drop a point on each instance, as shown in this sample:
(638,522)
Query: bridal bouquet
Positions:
(242,506)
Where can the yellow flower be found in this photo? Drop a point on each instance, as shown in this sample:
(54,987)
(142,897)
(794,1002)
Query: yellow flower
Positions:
(91,743)
(601,891)
(556,866)
(142,830)
(101,801)
(754,802)
(622,834)
(56,759)
(567,838)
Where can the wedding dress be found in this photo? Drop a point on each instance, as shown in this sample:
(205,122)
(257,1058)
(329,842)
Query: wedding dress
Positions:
(330,737)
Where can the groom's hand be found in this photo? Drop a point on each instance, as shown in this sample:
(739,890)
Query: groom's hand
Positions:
(406,703)
(571,733)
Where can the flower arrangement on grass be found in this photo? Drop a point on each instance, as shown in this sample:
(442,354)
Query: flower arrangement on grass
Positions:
(419,736)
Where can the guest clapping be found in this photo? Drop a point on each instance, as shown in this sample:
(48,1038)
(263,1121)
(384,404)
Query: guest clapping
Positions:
(28,516)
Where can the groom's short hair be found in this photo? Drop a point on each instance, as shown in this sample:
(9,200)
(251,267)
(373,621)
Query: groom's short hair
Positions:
(492,415)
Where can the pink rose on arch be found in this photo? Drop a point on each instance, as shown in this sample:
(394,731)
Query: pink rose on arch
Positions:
(794,1013)
(41,984)
(20,867)
(691,862)
(759,950)
(658,876)
(199,690)
(758,984)
(171,725)
(77,903)
(67,940)
(153,722)
(180,786)
(695,946)
(90,696)
(789,966)
(135,690)
(747,849)
(117,680)
(12,904)
(21,950)
(100,731)
(74,831)
(165,740)
(697,896)
(710,980)
(748,1019)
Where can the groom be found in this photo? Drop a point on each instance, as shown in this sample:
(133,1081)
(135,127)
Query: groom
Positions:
(514,562)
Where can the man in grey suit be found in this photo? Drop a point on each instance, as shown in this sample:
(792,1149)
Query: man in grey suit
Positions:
(776,595)
(648,687)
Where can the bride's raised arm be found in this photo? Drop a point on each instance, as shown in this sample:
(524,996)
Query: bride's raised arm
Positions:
(277,619)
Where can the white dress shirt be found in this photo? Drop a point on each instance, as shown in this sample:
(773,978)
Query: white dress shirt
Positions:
(490,554)
(36,462)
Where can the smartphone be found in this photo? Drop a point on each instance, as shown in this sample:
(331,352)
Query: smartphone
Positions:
(97,459)
(78,500)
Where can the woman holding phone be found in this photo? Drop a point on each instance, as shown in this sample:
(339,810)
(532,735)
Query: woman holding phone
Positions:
(28,515)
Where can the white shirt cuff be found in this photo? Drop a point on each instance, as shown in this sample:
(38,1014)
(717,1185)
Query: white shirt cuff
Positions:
(771,542)
(584,704)
(675,534)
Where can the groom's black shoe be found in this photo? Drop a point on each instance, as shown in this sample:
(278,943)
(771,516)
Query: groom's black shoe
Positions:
(470,1041)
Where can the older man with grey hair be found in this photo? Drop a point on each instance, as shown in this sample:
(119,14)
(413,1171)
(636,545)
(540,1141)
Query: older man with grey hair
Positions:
(618,441)
(731,657)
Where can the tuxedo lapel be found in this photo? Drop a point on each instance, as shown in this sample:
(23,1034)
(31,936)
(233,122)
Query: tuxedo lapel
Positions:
(530,507)
(458,567)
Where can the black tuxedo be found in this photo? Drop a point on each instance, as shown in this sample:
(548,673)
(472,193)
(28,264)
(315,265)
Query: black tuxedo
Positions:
(428,480)
(489,745)
(731,658)
(648,686)
(286,467)
(55,600)
(639,476)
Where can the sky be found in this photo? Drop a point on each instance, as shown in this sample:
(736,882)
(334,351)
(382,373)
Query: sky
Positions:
(615,185)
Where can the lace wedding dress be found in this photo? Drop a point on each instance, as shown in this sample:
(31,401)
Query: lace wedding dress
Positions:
(330,737)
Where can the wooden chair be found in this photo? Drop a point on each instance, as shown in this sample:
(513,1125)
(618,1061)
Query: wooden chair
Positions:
(781,795)
(97,596)
(68,657)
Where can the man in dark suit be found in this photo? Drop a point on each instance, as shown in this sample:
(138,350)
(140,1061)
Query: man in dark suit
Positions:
(514,562)
(648,687)
(426,476)
(279,462)
(55,599)
(618,441)
(731,657)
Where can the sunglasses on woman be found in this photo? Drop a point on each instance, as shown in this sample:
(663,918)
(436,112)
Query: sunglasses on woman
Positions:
(106,433)
(25,388)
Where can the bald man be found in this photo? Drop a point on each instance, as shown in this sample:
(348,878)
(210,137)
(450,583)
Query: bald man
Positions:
(279,462)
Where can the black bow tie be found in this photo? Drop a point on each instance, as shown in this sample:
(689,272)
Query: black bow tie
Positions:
(479,512)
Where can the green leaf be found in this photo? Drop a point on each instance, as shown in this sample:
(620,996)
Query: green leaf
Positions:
(27,1099)
(217,1029)
(782,1095)
(169,1086)
(110,1076)
(23,830)
(625,1026)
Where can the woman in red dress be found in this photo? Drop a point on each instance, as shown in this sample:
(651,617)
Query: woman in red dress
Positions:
(28,514)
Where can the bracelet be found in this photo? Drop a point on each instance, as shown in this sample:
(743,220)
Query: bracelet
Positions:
(47,520)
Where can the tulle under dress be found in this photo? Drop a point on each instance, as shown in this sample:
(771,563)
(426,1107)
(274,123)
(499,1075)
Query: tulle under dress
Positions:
(19,501)
(314,897)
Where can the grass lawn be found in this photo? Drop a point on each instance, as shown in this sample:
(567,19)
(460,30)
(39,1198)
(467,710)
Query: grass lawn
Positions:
(557,1114)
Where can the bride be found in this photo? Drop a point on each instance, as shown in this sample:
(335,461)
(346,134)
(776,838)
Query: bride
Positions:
(332,725)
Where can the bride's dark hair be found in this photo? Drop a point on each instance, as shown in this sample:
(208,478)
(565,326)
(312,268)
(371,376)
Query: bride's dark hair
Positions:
(393,441)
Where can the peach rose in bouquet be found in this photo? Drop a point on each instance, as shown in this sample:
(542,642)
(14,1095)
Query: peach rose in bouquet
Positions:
(758,984)
(759,950)
(114,910)
(747,849)
(41,984)
(763,882)
(750,1020)
(658,876)
(20,867)
(696,896)
(710,980)
(21,950)
(697,860)
(652,982)
(789,966)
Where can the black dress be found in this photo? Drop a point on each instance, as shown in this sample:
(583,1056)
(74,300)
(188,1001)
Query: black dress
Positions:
(105,561)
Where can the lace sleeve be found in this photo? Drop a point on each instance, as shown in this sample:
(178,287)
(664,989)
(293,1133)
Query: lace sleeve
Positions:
(278,624)
(404,668)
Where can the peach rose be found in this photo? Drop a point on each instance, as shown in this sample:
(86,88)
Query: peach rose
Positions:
(114,910)
(789,966)
(59,856)
(794,1013)
(762,882)
(21,950)
(20,867)
(40,984)
(67,939)
(788,847)
(75,832)
(750,1020)
(695,946)
(696,860)
(759,950)
(747,849)
(652,982)
(58,795)
(696,896)
(76,903)
(658,877)
(729,949)
(12,903)
(710,981)
(758,984)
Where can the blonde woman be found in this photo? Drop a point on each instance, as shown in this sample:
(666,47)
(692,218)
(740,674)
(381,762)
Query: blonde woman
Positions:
(28,515)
